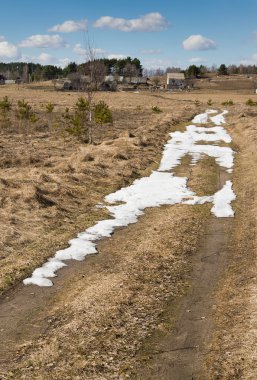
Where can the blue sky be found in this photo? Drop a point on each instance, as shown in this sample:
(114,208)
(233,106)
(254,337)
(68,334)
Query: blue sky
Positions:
(160,33)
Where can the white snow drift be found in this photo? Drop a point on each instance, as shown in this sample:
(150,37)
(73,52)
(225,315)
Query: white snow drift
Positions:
(160,188)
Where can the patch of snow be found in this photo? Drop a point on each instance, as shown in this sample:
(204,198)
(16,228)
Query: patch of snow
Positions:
(39,281)
(222,200)
(160,188)
(219,119)
(203,118)
(183,143)
(100,205)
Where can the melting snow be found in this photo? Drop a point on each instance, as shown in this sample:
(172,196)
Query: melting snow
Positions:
(219,119)
(160,188)
(222,200)
(203,118)
(183,143)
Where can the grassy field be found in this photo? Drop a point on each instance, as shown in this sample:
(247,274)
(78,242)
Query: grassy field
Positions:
(100,312)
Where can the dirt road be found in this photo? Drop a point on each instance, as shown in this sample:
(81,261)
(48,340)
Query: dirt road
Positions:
(180,351)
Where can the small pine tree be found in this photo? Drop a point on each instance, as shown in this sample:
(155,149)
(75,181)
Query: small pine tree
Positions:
(76,123)
(82,105)
(102,113)
(5,108)
(25,114)
(5,105)
(49,107)
(80,119)
(24,110)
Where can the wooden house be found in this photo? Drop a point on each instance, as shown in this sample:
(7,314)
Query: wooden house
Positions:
(176,81)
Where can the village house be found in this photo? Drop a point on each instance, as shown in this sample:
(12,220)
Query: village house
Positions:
(176,81)
(110,82)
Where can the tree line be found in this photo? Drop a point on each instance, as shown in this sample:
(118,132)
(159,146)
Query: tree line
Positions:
(128,67)
(30,72)
(194,71)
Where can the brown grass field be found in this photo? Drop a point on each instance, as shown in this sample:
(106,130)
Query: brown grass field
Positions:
(100,318)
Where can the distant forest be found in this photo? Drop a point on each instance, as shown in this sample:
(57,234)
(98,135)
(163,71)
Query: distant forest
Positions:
(130,67)
(36,72)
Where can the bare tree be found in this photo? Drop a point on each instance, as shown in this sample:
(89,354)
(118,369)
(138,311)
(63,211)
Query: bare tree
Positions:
(130,71)
(95,71)
(173,70)
(159,72)
(156,81)
(94,74)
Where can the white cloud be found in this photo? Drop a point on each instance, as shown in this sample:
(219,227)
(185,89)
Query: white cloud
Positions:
(64,62)
(116,56)
(2,38)
(249,61)
(44,41)
(46,59)
(69,26)
(198,42)
(151,51)
(197,60)
(8,50)
(149,22)
(153,64)
(78,49)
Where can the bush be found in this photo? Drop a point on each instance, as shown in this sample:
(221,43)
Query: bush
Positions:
(251,103)
(75,126)
(49,107)
(73,122)
(156,109)
(78,123)
(82,105)
(5,106)
(197,103)
(228,103)
(102,113)
(25,114)
(210,102)
(24,111)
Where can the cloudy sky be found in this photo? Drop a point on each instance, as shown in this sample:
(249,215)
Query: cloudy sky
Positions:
(160,33)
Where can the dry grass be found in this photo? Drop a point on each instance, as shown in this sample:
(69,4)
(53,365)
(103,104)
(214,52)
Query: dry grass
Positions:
(47,178)
(99,319)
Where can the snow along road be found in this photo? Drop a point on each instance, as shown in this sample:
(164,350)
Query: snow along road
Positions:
(162,187)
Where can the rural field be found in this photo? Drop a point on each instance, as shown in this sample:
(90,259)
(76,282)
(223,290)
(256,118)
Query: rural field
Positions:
(172,296)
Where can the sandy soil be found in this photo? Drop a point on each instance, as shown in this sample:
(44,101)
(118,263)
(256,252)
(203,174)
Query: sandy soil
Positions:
(98,320)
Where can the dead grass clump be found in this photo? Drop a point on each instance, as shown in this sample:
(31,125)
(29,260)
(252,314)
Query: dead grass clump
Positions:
(42,199)
(88,158)
(145,141)
(121,156)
